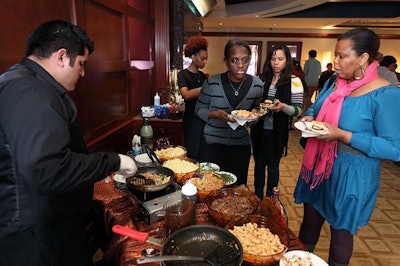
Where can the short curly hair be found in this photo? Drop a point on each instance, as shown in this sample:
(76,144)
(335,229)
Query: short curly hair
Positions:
(194,45)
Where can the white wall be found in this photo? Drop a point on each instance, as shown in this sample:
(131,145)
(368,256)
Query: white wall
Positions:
(215,63)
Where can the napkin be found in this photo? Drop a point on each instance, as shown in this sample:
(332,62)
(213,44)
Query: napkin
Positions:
(233,125)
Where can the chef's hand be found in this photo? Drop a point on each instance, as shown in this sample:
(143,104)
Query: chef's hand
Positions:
(127,166)
(222,115)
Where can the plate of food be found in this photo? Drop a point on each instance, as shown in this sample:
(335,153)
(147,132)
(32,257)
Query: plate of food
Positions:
(243,116)
(268,103)
(301,258)
(260,111)
(311,128)
(206,166)
(229,177)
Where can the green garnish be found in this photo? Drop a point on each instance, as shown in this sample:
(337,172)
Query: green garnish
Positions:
(228,178)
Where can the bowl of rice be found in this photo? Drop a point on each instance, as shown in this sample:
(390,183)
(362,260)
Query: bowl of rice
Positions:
(181,166)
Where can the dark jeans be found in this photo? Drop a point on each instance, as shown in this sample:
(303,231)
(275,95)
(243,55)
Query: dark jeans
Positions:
(231,158)
(264,156)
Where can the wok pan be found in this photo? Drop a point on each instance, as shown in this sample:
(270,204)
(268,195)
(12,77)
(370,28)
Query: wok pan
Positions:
(194,240)
(150,188)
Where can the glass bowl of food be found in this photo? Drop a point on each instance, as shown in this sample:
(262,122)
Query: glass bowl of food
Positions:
(181,166)
(227,204)
(169,152)
(205,181)
(263,239)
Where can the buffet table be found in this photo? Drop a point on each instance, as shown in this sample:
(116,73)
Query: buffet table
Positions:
(120,207)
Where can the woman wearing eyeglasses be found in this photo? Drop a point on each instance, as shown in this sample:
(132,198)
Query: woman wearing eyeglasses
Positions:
(270,135)
(228,145)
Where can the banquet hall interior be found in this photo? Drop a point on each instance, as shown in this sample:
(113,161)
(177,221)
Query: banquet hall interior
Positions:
(138,44)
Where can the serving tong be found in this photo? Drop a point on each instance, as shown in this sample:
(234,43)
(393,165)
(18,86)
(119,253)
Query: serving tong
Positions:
(152,155)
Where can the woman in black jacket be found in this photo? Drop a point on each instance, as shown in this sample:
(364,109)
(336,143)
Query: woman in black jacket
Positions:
(270,135)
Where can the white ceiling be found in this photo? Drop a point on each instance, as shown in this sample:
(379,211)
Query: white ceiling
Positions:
(266,16)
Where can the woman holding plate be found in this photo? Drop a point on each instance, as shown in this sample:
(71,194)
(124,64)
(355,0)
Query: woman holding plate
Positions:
(270,135)
(228,142)
(340,176)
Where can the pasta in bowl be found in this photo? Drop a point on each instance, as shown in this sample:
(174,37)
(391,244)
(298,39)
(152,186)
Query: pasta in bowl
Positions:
(205,181)
(264,241)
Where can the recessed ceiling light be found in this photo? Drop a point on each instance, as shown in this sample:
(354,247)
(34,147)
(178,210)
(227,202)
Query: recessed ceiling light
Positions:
(221,23)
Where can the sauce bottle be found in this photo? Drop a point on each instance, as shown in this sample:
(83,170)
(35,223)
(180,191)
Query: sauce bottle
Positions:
(275,196)
(146,135)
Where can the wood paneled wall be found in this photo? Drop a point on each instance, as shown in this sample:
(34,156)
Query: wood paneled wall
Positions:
(111,93)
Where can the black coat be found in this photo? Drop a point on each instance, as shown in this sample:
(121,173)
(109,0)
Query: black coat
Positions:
(46,174)
(281,120)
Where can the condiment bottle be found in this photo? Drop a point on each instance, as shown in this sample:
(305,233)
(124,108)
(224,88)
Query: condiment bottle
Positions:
(275,195)
(146,135)
(189,190)
(136,149)
(156,100)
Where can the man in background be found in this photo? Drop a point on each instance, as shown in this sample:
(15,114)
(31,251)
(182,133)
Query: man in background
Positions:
(387,69)
(325,76)
(312,70)
(46,172)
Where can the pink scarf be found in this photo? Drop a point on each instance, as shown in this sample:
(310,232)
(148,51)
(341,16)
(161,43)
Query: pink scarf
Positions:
(320,155)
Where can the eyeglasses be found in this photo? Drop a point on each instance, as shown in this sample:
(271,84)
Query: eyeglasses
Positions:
(237,61)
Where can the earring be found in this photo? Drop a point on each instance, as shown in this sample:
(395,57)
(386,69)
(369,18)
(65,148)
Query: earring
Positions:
(360,69)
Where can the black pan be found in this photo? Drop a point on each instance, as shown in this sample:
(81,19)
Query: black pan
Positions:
(194,240)
(150,188)
(200,240)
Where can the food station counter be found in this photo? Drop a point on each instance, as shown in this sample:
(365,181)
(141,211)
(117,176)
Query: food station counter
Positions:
(122,208)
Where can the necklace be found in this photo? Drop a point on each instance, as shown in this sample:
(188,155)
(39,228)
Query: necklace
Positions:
(236,91)
(197,76)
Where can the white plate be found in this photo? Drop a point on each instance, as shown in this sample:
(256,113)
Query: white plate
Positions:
(242,120)
(232,176)
(302,255)
(206,166)
(308,133)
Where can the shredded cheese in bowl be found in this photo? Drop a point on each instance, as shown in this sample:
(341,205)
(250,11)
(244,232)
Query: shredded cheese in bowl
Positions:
(180,166)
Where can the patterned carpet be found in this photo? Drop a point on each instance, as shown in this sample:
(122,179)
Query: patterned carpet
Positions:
(378,243)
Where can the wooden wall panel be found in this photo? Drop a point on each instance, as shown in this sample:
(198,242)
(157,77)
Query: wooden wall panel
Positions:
(111,93)
(18,19)
(103,95)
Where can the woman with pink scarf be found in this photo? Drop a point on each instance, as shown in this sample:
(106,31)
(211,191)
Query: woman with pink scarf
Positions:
(340,175)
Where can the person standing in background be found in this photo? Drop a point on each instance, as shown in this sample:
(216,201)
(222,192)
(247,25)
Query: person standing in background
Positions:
(387,69)
(312,70)
(46,173)
(340,175)
(228,145)
(190,82)
(270,134)
(325,75)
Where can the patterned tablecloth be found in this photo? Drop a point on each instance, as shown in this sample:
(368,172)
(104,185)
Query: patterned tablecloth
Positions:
(121,208)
